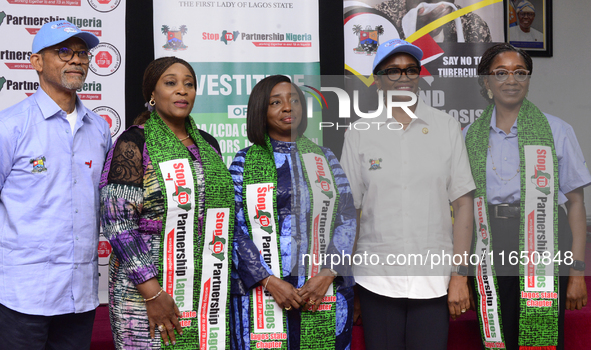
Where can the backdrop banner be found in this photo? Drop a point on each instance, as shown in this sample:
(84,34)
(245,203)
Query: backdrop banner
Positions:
(453,36)
(102,92)
(232,45)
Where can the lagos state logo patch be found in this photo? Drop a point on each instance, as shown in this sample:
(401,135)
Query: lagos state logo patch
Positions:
(374,164)
(38,164)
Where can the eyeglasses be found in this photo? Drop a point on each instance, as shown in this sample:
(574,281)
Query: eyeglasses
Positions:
(394,74)
(526,14)
(503,74)
(66,54)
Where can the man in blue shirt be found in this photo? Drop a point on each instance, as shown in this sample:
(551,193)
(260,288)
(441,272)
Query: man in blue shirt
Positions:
(52,151)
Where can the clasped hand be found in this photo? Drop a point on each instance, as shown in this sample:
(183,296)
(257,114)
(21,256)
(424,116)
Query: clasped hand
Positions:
(309,296)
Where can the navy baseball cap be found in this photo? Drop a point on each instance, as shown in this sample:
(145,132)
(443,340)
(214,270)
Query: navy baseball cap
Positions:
(393,46)
(59,31)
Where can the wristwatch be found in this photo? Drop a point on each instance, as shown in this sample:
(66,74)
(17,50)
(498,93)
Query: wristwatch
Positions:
(578,265)
(460,270)
(333,272)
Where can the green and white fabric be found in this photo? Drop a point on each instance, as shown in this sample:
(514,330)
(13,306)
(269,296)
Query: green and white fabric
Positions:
(268,320)
(195,258)
(538,235)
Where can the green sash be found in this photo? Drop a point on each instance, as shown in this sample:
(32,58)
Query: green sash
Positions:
(268,320)
(538,233)
(195,258)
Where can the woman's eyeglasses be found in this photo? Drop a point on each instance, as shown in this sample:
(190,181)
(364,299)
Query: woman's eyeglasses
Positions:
(66,54)
(394,74)
(503,74)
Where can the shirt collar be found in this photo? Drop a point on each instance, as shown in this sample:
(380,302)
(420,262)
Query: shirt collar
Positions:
(49,108)
(46,104)
(422,117)
(493,124)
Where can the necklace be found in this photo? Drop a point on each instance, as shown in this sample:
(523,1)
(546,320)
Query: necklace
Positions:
(183,139)
(495,168)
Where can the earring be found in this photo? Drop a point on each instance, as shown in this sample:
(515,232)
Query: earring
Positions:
(152,102)
(490,94)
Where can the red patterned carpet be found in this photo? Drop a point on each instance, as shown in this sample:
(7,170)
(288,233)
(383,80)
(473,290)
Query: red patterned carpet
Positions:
(463,332)
(102,338)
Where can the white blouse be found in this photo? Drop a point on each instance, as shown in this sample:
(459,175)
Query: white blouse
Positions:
(404,181)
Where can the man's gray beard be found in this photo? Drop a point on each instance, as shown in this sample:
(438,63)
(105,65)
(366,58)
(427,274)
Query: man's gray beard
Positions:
(73,85)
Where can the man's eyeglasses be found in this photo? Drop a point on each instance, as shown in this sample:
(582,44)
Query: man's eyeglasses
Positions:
(394,74)
(66,54)
(503,74)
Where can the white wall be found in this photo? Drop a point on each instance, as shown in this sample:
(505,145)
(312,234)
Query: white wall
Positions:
(561,85)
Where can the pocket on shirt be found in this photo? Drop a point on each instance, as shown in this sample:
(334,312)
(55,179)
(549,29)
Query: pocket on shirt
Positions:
(31,177)
(25,191)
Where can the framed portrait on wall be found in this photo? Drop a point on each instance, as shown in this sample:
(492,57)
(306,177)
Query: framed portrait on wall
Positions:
(529,26)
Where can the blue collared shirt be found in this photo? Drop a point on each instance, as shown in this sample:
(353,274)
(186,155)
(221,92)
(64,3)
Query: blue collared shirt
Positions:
(49,204)
(504,150)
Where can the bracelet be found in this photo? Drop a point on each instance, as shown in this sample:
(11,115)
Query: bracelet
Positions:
(155,296)
(268,278)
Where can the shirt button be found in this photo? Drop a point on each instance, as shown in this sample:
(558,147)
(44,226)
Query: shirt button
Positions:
(76,237)
(505,158)
(72,298)
(75,182)
(67,131)
(75,267)
(76,210)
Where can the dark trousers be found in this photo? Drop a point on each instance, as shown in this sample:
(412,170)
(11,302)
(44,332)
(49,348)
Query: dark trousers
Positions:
(505,236)
(402,323)
(32,332)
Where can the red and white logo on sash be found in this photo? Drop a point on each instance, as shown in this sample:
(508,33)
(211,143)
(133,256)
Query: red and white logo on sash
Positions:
(214,279)
(268,316)
(539,224)
(179,258)
(322,213)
